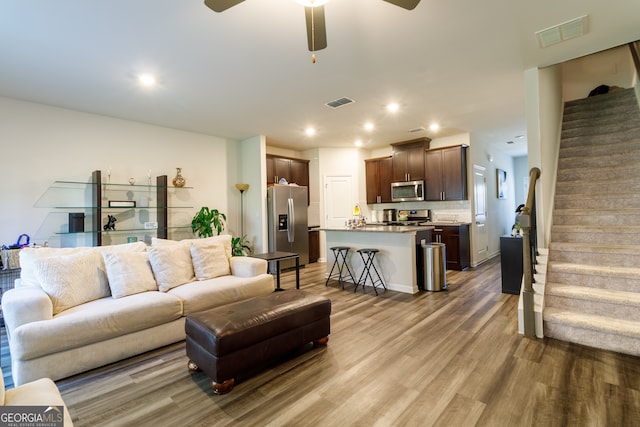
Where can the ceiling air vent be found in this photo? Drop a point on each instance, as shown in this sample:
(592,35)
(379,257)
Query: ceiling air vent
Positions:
(420,129)
(339,102)
(567,30)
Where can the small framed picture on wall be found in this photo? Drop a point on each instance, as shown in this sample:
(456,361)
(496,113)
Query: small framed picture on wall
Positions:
(501,180)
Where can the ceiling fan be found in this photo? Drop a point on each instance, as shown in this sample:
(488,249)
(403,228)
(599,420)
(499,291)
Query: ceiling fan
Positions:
(314,13)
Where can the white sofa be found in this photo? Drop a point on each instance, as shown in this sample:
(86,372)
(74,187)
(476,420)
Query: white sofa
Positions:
(75,309)
(42,392)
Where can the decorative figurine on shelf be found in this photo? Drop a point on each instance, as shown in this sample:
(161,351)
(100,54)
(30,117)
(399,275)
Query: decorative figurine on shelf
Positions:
(111,223)
(179,181)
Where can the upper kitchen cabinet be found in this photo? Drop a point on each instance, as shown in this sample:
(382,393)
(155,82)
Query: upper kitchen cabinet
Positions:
(292,170)
(379,175)
(446,173)
(408,159)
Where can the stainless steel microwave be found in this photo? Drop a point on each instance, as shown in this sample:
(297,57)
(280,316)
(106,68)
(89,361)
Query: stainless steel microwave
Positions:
(407,191)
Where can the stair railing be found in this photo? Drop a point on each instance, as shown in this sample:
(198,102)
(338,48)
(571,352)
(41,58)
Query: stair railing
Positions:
(634,47)
(527,221)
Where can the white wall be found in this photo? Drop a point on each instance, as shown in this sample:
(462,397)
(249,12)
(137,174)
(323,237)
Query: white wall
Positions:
(544,106)
(252,162)
(521,178)
(41,144)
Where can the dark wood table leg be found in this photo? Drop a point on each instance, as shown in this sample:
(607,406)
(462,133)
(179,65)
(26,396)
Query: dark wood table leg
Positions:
(297,272)
(278,276)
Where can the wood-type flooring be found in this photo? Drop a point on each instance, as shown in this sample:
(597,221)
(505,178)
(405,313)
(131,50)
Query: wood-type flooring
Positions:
(450,358)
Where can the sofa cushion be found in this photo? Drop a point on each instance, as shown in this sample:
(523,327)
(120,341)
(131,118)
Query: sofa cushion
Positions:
(93,322)
(209,260)
(205,294)
(171,265)
(29,256)
(70,280)
(129,273)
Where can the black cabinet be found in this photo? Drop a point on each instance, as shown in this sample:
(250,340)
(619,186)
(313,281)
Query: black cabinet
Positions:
(511,264)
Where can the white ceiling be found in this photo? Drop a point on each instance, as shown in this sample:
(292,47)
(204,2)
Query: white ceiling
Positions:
(247,71)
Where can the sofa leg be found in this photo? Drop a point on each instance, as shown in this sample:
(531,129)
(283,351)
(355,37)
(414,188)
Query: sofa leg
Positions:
(222,388)
(320,342)
(192,366)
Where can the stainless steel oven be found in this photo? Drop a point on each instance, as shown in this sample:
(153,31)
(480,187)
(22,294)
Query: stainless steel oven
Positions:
(407,191)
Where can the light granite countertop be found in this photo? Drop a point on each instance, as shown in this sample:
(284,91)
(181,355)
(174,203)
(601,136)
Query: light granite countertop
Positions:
(384,228)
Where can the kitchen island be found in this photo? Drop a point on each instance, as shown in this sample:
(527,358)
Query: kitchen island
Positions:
(399,257)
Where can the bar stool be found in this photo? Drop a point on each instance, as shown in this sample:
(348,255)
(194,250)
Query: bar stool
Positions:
(368,255)
(340,252)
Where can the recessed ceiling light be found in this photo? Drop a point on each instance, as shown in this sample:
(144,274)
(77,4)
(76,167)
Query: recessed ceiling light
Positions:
(368,126)
(393,107)
(312,3)
(434,127)
(310,131)
(358,143)
(519,137)
(147,80)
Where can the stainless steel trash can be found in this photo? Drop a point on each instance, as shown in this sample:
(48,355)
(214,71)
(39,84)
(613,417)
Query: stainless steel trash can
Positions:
(435,272)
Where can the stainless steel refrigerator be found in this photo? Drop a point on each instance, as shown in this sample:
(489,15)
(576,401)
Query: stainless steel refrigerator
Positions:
(287,222)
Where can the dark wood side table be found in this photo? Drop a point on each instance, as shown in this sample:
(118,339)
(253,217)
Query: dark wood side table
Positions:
(277,257)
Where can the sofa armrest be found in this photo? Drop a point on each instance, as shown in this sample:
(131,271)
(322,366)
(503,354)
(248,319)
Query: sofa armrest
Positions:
(243,266)
(25,305)
(42,392)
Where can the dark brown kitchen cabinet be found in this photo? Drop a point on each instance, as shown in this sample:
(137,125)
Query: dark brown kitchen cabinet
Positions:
(446,173)
(408,159)
(293,170)
(314,246)
(379,177)
(457,245)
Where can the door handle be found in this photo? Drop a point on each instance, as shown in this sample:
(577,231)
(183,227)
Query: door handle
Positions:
(291,236)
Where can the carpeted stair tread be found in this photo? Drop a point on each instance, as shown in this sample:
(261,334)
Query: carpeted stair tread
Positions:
(596,234)
(601,295)
(609,271)
(630,184)
(607,159)
(581,247)
(593,322)
(612,216)
(617,97)
(599,173)
(610,140)
(598,201)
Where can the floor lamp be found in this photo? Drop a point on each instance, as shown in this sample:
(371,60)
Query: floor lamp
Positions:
(242,188)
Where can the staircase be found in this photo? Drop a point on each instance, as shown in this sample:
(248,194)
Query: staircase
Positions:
(592,290)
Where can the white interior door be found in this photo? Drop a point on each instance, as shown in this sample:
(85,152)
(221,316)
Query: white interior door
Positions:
(481,246)
(338,200)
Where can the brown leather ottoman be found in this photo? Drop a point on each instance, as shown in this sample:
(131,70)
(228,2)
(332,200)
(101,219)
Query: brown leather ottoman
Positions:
(228,340)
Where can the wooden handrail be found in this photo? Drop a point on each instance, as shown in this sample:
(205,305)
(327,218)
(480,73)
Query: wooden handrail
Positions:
(527,223)
(634,47)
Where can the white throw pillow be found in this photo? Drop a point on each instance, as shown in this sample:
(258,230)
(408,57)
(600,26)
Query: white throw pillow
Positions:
(209,260)
(171,265)
(224,239)
(70,280)
(129,273)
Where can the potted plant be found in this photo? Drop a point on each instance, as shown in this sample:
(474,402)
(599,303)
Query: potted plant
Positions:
(240,246)
(206,220)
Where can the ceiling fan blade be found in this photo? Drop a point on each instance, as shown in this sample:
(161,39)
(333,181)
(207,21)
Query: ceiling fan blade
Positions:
(221,5)
(405,4)
(316,29)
